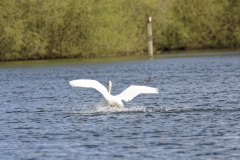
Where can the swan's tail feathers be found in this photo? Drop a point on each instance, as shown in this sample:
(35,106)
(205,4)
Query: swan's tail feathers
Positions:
(132,91)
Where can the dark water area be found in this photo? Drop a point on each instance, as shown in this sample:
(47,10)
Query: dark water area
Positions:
(196,114)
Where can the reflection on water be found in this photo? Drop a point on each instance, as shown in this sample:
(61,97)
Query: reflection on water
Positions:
(195,116)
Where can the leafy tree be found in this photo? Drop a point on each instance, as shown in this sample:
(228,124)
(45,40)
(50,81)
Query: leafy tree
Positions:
(38,29)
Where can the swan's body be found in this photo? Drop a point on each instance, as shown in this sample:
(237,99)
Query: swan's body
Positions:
(127,95)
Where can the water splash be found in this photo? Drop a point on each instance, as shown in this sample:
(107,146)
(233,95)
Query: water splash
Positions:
(103,108)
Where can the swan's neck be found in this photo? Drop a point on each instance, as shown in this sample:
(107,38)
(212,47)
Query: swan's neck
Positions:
(109,86)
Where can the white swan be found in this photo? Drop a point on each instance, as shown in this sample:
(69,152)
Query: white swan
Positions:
(127,95)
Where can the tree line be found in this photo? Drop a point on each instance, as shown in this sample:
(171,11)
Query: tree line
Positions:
(43,29)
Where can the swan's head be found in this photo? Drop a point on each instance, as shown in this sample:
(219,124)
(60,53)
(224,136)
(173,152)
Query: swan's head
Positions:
(109,86)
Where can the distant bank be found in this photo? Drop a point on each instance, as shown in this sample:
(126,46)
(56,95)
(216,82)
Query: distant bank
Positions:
(79,28)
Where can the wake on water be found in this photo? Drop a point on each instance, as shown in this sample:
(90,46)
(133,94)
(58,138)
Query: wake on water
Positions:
(103,108)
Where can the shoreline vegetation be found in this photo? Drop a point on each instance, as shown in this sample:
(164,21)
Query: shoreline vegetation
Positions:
(42,29)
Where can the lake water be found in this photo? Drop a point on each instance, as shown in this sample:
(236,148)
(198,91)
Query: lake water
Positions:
(196,114)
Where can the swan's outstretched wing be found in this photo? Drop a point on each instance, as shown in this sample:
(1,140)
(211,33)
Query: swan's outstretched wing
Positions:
(132,91)
(88,83)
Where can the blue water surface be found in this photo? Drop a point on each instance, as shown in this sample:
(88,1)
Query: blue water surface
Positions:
(196,114)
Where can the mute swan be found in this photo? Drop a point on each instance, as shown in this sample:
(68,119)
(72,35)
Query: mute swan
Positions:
(127,95)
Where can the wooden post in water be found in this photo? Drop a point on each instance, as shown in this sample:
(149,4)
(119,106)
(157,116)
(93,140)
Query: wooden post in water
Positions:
(149,31)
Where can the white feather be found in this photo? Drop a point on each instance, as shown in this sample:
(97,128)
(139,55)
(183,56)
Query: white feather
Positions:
(87,83)
(132,91)
(126,95)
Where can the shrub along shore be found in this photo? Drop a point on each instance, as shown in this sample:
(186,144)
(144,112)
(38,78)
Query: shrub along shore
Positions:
(43,29)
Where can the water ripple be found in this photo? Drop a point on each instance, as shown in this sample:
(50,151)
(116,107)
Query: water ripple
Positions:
(195,116)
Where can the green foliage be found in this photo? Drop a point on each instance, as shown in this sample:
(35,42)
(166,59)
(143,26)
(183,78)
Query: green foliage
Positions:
(39,29)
